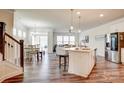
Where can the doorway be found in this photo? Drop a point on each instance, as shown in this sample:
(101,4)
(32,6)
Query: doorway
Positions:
(40,39)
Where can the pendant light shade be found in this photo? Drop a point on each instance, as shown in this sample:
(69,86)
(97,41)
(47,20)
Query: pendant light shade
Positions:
(79,28)
(71,24)
(71,27)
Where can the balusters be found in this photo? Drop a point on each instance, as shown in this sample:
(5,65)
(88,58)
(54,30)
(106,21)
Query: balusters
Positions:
(14,53)
(22,53)
(17,54)
(7,53)
(13,50)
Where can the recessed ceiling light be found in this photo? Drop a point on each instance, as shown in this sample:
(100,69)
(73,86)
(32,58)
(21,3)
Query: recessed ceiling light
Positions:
(78,13)
(101,15)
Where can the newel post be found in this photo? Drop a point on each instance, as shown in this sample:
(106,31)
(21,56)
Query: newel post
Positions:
(2,43)
(22,53)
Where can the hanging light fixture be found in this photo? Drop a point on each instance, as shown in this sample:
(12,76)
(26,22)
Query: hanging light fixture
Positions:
(79,29)
(71,25)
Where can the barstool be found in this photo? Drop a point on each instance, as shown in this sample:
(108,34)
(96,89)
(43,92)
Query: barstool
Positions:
(95,50)
(65,61)
(62,54)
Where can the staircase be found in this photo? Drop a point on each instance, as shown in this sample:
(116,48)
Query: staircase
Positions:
(8,70)
(11,62)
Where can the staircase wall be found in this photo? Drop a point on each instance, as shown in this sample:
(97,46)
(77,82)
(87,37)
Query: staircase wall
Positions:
(7,16)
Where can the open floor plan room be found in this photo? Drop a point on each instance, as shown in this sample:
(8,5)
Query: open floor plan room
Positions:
(48,71)
(61,45)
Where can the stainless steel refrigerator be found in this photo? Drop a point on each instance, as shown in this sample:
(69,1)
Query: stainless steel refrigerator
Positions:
(113,44)
(107,47)
(115,53)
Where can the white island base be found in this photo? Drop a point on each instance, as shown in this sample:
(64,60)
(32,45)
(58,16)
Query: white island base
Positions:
(81,62)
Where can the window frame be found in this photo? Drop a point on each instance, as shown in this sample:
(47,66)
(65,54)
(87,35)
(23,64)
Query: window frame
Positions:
(20,33)
(63,40)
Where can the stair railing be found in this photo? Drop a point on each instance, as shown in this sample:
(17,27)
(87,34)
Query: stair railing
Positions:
(13,50)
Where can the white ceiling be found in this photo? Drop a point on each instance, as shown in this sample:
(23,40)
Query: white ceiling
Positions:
(59,19)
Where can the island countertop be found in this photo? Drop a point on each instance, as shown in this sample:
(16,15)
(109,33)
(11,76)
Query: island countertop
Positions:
(81,61)
(78,49)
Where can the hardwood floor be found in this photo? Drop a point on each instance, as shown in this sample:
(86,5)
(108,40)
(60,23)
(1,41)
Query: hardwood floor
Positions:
(47,71)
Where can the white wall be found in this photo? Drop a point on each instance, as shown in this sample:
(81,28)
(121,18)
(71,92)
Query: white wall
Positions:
(19,26)
(64,34)
(7,17)
(12,53)
(99,43)
(50,42)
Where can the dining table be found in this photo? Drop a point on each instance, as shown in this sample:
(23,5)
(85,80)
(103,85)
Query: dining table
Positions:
(29,52)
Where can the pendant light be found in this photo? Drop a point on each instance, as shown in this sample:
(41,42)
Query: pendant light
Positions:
(79,28)
(71,24)
(79,23)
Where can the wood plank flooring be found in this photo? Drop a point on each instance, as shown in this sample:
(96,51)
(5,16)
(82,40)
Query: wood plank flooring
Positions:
(47,71)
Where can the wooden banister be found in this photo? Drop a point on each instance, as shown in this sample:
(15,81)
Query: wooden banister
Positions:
(21,43)
(12,38)
(2,31)
(22,53)
(3,36)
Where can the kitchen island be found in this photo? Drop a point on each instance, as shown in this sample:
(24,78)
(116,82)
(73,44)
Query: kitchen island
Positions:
(81,61)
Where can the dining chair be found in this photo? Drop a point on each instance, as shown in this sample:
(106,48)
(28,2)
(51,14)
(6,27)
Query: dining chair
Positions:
(31,51)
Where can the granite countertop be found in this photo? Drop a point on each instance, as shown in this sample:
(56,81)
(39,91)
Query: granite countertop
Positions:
(78,49)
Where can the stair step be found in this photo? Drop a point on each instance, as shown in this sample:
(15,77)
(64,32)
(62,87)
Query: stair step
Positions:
(8,70)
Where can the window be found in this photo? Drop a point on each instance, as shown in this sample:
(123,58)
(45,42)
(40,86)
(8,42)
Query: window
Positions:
(41,40)
(20,33)
(65,40)
(72,40)
(35,40)
(59,40)
(14,31)
(24,34)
